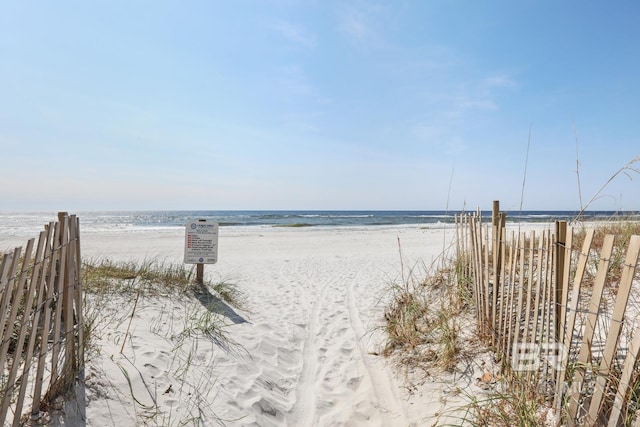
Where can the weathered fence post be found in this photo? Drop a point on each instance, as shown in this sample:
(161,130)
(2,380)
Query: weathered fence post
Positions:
(561,240)
(496,251)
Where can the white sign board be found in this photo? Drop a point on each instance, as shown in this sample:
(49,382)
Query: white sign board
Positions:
(201,242)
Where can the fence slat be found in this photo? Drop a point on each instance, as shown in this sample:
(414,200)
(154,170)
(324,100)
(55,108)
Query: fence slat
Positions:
(44,338)
(8,263)
(628,271)
(625,379)
(561,375)
(544,287)
(509,319)
(484,278)
(15,293)
(41,278)
(499,288)
(577,281)
(592,318)
(7,279)
(505,296)
(477,272)
(527,313)
(521,291)
(8,289)
(4,270)
(583,257)
(23,322)
(549,337)
(561,285)
(79,292)
(59,289)
(497,245)
(486,291)
(539,290)
(68,291)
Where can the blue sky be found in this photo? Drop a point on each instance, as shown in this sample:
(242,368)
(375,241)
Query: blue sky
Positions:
(285,104)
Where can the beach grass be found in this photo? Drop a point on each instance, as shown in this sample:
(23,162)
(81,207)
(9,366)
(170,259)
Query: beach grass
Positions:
(152,277)
(514,402)
(104,278)
(132,282)
(622,229)
(424,318)
(429,325)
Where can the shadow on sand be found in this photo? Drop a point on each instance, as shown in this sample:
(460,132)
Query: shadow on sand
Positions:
(215,304)
(74,408)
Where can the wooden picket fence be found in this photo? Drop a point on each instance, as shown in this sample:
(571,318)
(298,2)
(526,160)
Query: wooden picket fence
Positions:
(41,353)
(557,318)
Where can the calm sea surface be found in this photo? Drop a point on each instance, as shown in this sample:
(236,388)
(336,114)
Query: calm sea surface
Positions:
(26,223)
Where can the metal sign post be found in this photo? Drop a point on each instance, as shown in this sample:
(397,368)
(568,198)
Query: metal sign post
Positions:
(201,245)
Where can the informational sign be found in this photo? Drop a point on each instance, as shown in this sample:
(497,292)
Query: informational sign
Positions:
(201,242)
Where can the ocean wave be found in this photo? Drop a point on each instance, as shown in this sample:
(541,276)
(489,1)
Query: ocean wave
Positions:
(31,223)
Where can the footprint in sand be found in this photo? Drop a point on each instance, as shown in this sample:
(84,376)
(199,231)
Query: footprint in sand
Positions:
(152,369)
(354,383)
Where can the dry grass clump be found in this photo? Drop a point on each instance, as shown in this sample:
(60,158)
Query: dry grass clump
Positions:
(424,330)
(150,277)
(229,293)
(517,402)
(622,229)
(424,317)
(105,278)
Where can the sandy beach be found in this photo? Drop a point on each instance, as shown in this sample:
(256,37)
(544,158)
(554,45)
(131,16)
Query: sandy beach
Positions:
(304,349)
(306,344)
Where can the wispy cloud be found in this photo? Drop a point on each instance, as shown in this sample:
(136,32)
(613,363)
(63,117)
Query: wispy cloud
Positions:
(499,81)
(361,21)
(482,95)
(295,34)
(295,81)
(484,103)
(439,136)
(456,145)
(427,132)
(354,24)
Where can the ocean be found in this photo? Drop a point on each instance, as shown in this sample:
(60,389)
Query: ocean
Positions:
(28,223)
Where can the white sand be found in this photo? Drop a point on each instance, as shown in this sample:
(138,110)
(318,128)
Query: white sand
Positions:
(304,353)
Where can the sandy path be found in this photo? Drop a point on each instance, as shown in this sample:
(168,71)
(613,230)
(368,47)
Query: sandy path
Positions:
(314,298)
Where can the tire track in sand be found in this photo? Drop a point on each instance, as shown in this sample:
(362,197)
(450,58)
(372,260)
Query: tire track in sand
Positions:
(384,388)
(306,390)
(334,299)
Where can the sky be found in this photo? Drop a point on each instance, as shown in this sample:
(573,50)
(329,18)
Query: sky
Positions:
(287,104)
